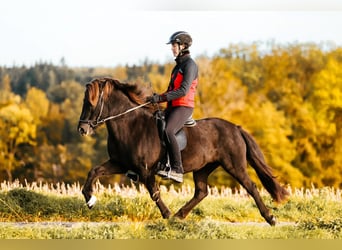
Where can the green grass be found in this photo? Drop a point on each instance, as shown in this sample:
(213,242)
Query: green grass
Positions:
(173,229)
(129,213)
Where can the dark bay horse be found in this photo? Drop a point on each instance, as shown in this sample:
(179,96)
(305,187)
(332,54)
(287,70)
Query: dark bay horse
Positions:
(134,145)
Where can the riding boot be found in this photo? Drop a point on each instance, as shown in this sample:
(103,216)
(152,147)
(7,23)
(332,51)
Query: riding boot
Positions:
(176,162)
(175,171)
(176,174)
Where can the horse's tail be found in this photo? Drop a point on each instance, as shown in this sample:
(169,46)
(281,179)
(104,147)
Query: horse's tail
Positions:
(257,161)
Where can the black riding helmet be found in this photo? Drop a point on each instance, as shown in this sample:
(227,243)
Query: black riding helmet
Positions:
(181,37)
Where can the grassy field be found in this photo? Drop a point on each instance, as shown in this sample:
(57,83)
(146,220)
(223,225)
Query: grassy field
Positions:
(42,211)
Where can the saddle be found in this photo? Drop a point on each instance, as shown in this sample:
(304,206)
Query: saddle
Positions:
(180,136)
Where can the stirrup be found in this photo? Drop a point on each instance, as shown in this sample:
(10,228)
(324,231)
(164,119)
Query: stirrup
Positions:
(164,172)
(132,175)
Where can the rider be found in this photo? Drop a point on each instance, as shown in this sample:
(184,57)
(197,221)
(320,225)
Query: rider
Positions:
(180,97)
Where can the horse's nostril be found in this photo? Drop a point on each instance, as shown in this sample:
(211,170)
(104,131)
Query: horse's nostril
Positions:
(81,130)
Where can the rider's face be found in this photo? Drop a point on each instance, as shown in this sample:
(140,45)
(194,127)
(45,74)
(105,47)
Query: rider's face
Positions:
(176,48)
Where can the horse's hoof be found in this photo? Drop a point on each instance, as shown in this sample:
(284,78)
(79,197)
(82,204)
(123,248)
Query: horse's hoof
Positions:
(91,202)
(273,221)
(167,215)
(179,215)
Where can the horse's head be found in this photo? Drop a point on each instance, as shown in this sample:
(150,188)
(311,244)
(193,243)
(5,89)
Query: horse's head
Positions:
(98,91)
(93,106)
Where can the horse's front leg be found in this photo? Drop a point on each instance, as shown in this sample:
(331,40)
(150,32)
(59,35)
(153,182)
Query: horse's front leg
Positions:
(106,168)
(154,191)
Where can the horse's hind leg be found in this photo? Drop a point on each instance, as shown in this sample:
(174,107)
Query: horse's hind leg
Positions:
(241,175)
(106,168)
(253,191)
(201,190)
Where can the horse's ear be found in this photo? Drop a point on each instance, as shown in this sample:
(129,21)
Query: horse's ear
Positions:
(93,91)
(107,86)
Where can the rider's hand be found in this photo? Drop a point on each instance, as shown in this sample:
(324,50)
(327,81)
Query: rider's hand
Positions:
(155,98)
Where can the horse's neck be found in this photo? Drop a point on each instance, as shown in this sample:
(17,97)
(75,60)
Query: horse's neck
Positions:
(125,128)
(134,141)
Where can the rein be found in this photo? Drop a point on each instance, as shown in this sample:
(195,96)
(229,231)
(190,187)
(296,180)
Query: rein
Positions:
(121,114)
(94,123)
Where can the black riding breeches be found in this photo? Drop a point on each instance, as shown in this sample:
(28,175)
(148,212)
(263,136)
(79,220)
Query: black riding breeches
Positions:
(175,119)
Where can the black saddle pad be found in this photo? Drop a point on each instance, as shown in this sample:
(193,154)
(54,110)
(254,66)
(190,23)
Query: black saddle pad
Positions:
(181,139)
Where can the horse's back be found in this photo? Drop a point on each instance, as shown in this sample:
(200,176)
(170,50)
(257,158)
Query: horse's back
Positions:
(214,121)
(211,140)
(213,128)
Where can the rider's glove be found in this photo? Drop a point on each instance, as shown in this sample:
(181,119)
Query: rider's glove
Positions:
(155,98)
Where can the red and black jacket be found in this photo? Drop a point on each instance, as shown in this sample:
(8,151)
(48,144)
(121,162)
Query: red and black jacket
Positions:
(183,83)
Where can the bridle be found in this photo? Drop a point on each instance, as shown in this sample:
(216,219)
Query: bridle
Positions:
(98,120)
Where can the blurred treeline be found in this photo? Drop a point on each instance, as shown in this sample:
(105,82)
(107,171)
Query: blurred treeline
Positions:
(289,97)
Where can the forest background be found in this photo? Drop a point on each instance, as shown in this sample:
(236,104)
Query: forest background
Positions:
(289,97)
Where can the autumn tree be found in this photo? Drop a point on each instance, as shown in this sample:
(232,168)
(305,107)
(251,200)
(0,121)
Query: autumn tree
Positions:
(17,128)
(38,103)
(326,102)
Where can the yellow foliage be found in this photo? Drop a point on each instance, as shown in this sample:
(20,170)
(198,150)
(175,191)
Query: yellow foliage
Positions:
(17,127)
(328,86)
(38,103)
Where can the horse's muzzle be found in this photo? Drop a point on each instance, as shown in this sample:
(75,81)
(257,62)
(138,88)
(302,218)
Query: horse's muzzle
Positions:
(85,129)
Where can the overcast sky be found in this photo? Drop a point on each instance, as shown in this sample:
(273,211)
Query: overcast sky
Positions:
(108,33)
